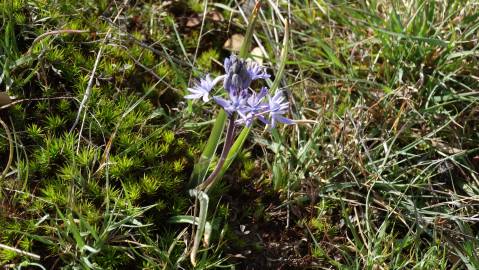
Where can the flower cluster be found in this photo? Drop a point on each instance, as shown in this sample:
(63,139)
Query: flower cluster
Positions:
(242,101)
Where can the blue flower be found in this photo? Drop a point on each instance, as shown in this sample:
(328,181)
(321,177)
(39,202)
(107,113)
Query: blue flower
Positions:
(237,77)
(255,100)
(255,108)
(237,103)
(240,73)
(277,107)
(228,61)
(243,105)
(201,89)
(256,71)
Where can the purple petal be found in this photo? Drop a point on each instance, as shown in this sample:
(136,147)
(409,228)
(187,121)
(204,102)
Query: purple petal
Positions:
(228,61)
(284,120)
(257,71)
(222,102)
(193,96)
(195,91)
(263,92)
(263,119)
(273,122)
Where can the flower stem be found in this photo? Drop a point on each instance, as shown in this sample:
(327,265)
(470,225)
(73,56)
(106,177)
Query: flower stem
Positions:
(208,183)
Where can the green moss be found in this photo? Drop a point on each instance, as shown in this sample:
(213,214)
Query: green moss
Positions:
(126,157)
(7,255)
(206,59)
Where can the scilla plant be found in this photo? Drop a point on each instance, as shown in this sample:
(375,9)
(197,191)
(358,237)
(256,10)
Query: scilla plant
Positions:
(243,105)
(240,106)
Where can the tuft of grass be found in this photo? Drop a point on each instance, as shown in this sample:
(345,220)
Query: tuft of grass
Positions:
(383,94)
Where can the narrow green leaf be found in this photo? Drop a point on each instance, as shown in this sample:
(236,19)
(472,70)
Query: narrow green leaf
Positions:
(244,51)
(73,228)
(432,41)
(357,240)
(282,63)
(200,169)
(235,149)
(395,22)
(330,54)
(182,219)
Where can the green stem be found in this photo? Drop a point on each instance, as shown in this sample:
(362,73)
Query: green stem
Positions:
(200,169)
(208,183)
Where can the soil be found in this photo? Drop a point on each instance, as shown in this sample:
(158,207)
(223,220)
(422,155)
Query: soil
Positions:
(258,221)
